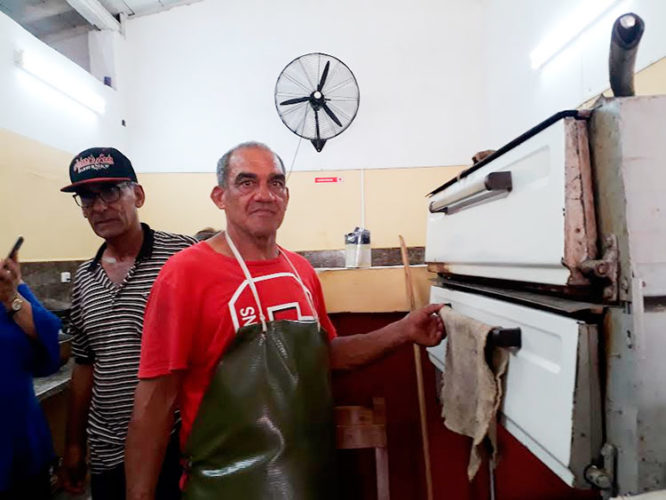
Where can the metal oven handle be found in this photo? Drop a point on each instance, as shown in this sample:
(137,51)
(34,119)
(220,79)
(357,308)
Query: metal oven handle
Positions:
(505,337)
(501,337)
(494,185)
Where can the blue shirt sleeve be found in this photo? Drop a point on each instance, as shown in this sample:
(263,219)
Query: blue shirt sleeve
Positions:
(47,325)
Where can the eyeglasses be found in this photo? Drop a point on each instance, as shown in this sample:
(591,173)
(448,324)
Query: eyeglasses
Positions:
(107,193)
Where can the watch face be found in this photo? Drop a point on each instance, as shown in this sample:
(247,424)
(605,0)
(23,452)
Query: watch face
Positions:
(16,304)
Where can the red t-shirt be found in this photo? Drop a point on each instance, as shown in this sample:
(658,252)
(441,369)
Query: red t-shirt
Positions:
(199,301)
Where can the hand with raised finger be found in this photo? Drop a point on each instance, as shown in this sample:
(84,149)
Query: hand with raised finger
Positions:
(425,326)
(10,277)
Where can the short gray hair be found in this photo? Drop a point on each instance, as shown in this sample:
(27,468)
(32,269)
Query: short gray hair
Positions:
(223,163)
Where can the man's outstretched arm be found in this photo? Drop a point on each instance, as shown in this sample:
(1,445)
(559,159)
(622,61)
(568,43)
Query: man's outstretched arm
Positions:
(423,326)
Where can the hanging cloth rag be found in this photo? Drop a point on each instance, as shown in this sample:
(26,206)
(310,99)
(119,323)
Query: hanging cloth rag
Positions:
(472,389)
(265,427)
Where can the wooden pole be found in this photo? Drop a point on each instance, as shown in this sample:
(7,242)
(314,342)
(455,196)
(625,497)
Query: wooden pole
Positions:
(419,371)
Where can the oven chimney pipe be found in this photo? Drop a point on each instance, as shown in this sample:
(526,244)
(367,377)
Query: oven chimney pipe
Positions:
(627,32)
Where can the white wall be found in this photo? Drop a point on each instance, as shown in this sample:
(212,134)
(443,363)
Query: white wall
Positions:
(105,48)
(201,79)
(518,97)
(34,109)
(438,79)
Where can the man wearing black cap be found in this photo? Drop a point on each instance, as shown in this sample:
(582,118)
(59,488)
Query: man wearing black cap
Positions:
(108,302)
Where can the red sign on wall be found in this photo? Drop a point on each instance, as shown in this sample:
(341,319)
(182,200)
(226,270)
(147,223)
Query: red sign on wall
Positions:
(322,180)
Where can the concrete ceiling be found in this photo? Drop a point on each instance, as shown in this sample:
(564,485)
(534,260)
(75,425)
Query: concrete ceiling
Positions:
(140,7)
(51,20)
(45,18)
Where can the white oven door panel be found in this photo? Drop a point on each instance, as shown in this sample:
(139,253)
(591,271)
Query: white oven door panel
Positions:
(520,236)
(541,386)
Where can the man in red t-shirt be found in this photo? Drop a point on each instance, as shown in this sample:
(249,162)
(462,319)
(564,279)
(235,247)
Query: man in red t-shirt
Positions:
(239,283)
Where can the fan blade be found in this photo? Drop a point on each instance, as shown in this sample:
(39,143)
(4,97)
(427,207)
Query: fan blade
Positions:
(317,124)
(294,101)
(322,81)
(331,114)
(318,142)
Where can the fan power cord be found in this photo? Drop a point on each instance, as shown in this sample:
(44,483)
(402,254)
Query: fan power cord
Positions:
(298,145)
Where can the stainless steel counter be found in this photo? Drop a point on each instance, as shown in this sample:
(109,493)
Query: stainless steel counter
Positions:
(46,387)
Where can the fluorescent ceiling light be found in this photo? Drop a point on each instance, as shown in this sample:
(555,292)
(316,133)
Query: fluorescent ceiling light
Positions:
(95,13)
(587,13)
(60,79)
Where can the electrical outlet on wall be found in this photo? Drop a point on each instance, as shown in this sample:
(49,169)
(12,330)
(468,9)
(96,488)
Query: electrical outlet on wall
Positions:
(65,277)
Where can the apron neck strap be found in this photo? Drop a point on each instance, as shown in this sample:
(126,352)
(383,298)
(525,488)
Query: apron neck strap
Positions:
(249,278)
(308,294)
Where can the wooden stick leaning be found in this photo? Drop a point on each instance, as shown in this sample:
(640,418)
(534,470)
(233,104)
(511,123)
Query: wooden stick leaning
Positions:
(409,284)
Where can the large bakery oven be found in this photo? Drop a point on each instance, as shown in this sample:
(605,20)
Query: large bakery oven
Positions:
(562,234)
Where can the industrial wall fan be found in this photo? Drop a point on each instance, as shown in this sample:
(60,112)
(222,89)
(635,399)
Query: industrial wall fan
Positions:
(316,96)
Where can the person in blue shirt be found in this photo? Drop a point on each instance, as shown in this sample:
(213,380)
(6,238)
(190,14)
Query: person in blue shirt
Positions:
(28,347)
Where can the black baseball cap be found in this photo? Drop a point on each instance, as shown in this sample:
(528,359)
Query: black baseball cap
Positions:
(99,165)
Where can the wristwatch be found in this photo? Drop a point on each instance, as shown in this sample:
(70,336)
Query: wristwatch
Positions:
(15,306)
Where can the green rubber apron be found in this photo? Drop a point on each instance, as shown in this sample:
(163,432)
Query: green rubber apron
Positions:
(265,428)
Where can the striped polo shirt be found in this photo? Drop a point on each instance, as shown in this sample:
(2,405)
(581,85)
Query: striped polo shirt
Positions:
(106,321)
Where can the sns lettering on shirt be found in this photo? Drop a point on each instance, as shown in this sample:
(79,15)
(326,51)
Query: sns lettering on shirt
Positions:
(281,297)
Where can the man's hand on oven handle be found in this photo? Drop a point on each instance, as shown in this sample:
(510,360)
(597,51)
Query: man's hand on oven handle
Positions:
(424,326)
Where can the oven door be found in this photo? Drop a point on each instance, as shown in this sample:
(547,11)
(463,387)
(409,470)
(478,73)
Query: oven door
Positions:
(552,400)
(525,214)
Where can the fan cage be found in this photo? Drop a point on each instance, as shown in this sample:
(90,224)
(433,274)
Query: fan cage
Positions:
(299,79)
